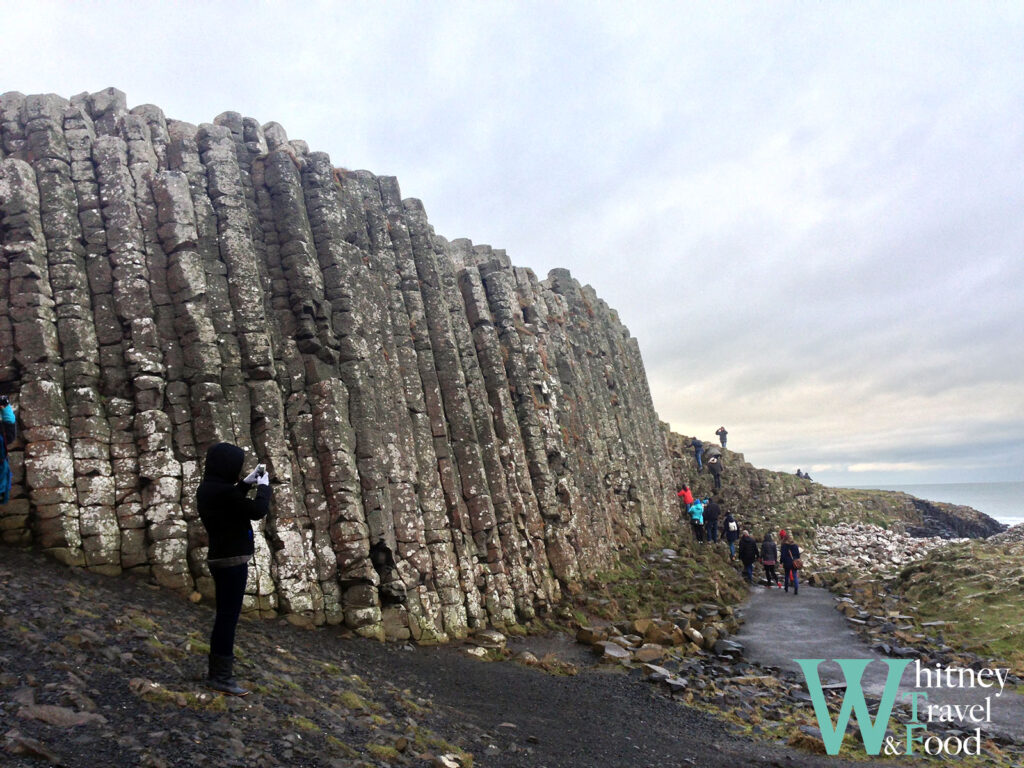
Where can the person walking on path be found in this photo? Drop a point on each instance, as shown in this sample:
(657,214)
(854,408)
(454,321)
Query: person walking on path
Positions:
(7,435)
(789,558)
(227,511)
(711,514)
(697,520)
(769,557)
(722,434)
(731,532)
(748,555)
(715,467)
(698,452)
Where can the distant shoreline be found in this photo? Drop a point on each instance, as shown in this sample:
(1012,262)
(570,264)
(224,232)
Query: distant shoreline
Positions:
(1003,501)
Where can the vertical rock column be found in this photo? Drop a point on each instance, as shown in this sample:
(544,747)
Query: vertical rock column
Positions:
(528,396)
(427,420)
(89,431)
(479,530)
(110,421)
(419,603)
(504,560)
(300,523)
(347,409)
(525,518)
(133,303)
(49,465)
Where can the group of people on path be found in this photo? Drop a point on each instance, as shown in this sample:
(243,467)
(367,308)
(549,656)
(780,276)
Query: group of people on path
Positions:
(704,515)
(770,556)
(710,456)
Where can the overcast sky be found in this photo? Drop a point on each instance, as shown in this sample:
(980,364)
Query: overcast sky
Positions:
(810,214)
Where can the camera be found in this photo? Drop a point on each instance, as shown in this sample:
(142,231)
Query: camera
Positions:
(261,470)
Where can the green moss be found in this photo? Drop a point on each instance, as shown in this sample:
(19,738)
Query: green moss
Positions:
(352,700)
(303,723)
(382,752)
(338,747)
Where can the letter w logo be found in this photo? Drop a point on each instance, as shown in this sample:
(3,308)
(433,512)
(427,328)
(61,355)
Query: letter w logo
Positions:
(853,701)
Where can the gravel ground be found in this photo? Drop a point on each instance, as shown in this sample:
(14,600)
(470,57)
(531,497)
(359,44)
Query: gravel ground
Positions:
(98,671)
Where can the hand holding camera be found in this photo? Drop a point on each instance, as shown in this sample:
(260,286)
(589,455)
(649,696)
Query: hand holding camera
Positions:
(258,476)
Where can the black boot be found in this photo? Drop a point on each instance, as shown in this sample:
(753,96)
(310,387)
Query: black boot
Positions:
(221,677)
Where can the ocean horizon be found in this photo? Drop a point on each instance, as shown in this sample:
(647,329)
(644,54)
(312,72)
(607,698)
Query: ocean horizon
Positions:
(1002,501)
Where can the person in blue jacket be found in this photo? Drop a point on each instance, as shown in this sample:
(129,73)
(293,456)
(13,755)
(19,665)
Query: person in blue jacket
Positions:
(698,452)
(696,511)
(8,432)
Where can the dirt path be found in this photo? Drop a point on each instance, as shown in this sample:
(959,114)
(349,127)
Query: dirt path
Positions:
(780,627)
(78,644)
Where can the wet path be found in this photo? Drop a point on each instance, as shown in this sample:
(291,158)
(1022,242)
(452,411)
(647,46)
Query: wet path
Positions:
(780,627)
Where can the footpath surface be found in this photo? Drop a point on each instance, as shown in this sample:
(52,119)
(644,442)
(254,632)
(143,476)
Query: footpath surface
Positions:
(98,671)
(780,628)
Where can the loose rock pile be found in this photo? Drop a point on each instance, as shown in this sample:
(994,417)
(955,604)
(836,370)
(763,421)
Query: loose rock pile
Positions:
(863,548)
(1014,534)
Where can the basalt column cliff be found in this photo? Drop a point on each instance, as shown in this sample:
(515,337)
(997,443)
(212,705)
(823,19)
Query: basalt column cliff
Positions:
(453,441)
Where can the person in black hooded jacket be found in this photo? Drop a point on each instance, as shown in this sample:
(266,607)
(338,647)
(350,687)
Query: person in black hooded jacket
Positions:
(227,511)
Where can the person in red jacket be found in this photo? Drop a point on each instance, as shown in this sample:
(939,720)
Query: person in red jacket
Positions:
(686,495)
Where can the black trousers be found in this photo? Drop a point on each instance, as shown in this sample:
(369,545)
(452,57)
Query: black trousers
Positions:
(229,586)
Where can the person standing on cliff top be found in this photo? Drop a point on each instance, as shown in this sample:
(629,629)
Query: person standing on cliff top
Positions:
(698,452)
(227,511)
(722,434)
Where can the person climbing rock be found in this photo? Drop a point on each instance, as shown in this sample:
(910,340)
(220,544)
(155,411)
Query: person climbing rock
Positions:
(7,435)
(711,513)
(731,533)
(748,555)
(769,558)
(686,495)
(715,467)
(696,511)
(722,434)
(227,511)
(789,559)
(698,453)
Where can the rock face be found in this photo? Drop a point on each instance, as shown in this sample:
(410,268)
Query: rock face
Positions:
(453,441)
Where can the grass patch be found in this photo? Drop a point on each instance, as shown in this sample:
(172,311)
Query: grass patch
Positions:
(974,587)
(303,723)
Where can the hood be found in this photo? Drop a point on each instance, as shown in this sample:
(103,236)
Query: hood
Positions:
(224,462)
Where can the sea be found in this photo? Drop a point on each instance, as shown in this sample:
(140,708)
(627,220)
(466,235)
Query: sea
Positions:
(1003,501)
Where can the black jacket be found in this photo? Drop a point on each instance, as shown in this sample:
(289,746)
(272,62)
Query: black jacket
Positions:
(711,512)
(769,551)
(790,552)
(224,505)
(748,550)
